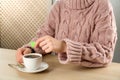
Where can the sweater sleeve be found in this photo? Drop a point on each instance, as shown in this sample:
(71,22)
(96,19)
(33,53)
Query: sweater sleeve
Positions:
(97,53)
(48,27)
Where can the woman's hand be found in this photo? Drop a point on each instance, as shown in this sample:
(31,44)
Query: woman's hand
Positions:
(50,44)
(21,52)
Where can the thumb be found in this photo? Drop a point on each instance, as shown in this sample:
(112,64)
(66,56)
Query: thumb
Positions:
(27,51)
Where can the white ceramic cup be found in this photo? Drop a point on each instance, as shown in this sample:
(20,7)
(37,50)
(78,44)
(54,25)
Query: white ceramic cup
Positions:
(32,63)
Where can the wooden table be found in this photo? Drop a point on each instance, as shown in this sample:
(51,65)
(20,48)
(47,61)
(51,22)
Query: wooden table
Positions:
(56,71)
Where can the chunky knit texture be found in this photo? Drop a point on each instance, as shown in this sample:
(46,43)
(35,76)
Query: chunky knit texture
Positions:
(87,26)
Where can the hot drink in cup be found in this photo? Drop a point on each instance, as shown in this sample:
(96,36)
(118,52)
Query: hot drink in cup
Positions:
(32,61)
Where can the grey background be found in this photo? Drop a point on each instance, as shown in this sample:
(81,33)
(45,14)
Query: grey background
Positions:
(116,7)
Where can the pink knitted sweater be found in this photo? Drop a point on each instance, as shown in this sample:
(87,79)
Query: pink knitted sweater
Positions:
(88,28)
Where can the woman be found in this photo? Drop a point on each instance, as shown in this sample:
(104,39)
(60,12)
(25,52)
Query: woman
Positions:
(79,31)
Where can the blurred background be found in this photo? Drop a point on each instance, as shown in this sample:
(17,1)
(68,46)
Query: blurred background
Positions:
(20,19)
(116,7)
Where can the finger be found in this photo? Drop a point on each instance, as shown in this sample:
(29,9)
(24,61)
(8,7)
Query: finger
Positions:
(45,47)
(19,57)
(19,52)
(39,41)
(20,60)
(43,43)
(48,50)
(27,51)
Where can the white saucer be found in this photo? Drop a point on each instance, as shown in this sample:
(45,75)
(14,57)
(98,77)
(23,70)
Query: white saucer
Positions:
(42,67)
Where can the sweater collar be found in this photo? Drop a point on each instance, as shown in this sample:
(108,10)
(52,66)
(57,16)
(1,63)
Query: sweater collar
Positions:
(79,4)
